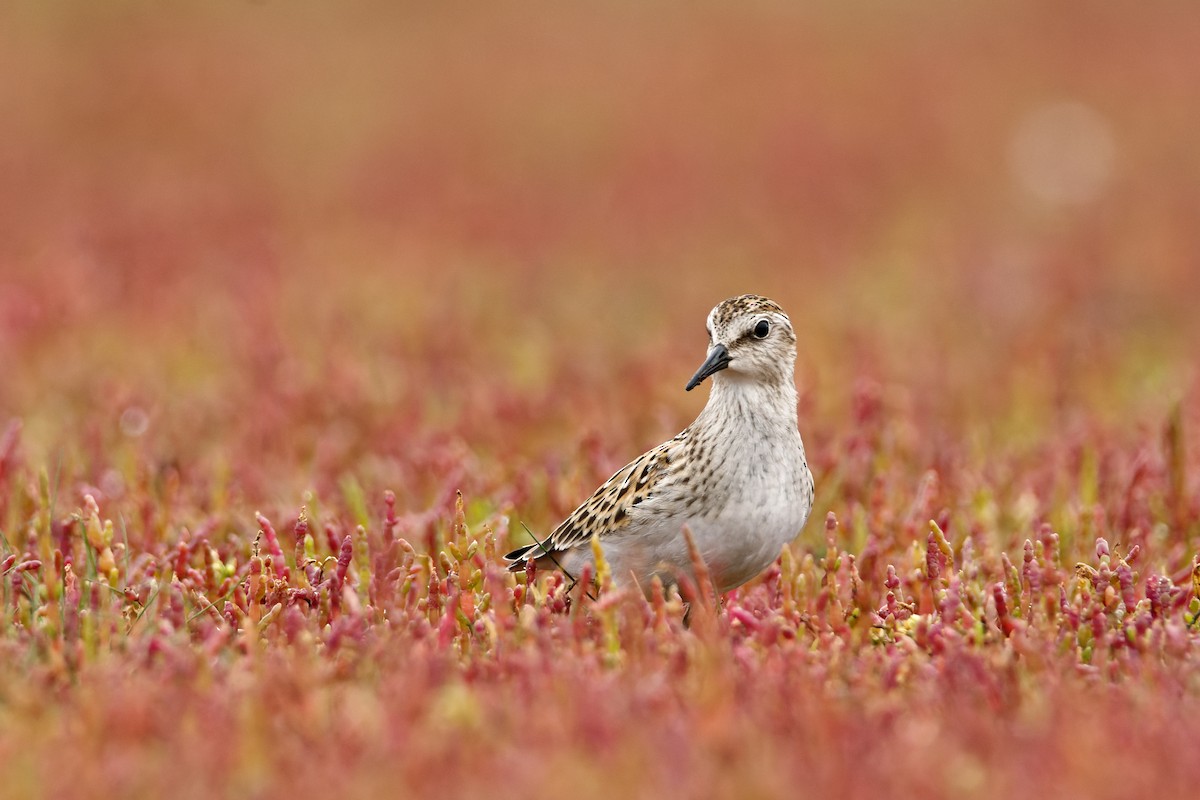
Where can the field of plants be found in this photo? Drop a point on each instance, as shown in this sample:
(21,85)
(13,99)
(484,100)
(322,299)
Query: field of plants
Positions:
(308,313)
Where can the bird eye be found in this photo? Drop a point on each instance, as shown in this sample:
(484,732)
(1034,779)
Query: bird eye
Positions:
(762,329)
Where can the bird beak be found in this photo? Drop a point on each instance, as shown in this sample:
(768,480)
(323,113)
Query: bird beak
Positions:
(718,359)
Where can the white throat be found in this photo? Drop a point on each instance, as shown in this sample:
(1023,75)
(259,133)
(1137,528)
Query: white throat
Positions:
(739,401)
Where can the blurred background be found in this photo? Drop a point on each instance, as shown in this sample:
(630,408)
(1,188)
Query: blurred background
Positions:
(291,240)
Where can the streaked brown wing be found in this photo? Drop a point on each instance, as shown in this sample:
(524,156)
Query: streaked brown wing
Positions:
(611,507)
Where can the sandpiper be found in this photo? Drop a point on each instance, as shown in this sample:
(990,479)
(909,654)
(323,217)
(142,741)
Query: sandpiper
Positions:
(737,477)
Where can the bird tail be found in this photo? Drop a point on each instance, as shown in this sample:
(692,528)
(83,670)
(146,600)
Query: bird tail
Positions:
(519,557)
(537,551)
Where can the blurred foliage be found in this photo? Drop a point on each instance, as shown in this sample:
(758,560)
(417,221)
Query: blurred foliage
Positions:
(403,277)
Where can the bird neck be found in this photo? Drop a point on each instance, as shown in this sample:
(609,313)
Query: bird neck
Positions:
(752,404)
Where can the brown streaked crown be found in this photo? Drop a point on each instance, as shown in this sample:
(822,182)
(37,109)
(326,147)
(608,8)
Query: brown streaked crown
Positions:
(728,312)
(744,304)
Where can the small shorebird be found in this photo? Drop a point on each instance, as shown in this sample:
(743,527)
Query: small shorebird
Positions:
(737,477)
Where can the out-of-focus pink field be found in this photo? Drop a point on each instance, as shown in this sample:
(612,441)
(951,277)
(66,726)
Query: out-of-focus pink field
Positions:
(305,312)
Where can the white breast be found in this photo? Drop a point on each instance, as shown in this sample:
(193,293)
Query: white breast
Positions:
(755,499)
(767,499)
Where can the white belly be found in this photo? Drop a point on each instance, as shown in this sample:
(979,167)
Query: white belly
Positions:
(740,483)
(737,542)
